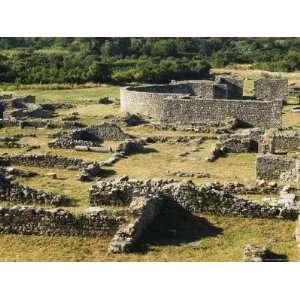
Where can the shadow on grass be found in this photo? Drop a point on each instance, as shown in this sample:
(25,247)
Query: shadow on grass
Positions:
(146,150)
(107,173)
(275,257)
(176,226)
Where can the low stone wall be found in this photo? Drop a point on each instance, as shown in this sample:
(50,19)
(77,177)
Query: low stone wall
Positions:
(142,212)
(38,221)
(270,166)
(15,192)
(47,161)
(124,149)
(6,96)
(203,198)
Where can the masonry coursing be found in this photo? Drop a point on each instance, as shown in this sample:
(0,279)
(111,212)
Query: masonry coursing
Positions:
(176,104)
(203,198)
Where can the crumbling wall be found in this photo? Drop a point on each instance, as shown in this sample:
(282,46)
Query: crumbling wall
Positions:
(47,161)
(14,192)
(142,212)
(244,141)
(270,166)
(89,136)
(271,89)
(280,141)
(234,86)
(38,221)
(202,198)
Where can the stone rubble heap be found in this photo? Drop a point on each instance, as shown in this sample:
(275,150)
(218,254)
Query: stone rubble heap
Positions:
(91,136)
(254,253)
(188,174)
(124,149)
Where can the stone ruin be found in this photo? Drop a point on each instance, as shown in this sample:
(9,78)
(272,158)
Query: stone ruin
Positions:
(194,103)
(14,110)
(14,192)
(282,141)
(185,103)
(91,136)
(279,167)
(271,89)
(277,158)
(194,198)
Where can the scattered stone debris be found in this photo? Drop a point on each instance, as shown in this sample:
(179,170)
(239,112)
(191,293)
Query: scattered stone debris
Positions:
(91,136)
(287,198)
(90,172)
(52,175)
(188,174)
(21,173)
(254,253)
(217,151)
(93,149)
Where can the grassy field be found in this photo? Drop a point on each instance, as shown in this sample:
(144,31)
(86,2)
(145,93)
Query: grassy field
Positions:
(213,239)
(217,239)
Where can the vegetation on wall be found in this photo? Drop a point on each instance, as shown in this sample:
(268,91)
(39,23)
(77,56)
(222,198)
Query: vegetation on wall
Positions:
(121,60)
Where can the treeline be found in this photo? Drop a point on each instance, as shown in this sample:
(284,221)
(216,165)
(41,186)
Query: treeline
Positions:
(121,60)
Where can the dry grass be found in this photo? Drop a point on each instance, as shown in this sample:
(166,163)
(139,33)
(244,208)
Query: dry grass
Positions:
(228,245)
(235,167)
(225,246)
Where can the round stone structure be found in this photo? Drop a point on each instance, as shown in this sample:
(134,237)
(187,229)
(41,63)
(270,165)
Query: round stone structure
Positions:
(199,102)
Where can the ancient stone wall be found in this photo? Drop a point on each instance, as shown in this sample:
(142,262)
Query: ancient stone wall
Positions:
(234,86)
(17,102)
(89,136)
(138,102)
(253,113)
(14,192)
(202,198)
(195,102)
(38,221)
(280,141)
(244,141)
(6,96)
(271,89)
(142,212)
(47,161)
(270,166)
